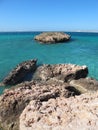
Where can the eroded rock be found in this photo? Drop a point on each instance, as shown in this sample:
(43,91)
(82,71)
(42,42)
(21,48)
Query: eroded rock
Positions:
(62,72)
(85,85)
(44,102)
(74,113)
(13,101)
(18,73)
(52,37)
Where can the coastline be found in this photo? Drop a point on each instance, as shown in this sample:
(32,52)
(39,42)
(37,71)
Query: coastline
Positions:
(56,85)
(62,82)
(65,54)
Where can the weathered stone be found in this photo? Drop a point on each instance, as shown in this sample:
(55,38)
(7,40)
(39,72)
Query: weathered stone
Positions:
(62,72)
(74,113)
(13,101)
(18,73)
(47,96)
(85,85)
(52,37)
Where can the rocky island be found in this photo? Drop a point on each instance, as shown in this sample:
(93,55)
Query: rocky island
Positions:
(52,37)
(58,97)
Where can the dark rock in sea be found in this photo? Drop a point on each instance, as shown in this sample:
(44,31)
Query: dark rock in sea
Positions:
(84,85)
(52,37)
(14,100)
(18,73)
(60,72)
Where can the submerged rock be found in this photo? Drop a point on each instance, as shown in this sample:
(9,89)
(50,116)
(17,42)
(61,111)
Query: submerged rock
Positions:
(62,72)
(52,37)
(18,73)
(75,113)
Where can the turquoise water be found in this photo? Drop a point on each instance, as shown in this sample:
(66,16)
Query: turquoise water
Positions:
(18,47)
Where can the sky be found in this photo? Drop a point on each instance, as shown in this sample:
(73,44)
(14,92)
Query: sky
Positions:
(48,15)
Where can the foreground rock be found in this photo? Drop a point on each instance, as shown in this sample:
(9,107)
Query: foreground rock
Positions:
(62,72)
(17,74)
(75,113)
(49,99)
(85,85)
(52,37)
(13,101)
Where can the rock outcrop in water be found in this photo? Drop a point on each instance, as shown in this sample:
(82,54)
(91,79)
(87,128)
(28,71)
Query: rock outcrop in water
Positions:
(49,101)
(17,74)
(63,72)
(52,37)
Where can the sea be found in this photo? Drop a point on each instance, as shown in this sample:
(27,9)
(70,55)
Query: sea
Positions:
(16,47)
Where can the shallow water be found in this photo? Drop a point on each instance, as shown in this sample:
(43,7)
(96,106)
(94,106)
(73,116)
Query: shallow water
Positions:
(18,47)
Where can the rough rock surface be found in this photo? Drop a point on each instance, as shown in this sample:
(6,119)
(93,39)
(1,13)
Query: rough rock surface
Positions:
(18,73)
(52,37)
(85,85)
(75,113)
(63,72)
(13,101)
(49,99)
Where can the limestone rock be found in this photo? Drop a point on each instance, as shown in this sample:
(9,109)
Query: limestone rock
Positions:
(14,100)
(18,73)
(74,113)
(49,101)
(85,85)
(62,72)
(52,37)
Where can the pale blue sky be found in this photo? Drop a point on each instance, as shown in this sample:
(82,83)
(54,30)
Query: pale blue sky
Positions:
(37,15)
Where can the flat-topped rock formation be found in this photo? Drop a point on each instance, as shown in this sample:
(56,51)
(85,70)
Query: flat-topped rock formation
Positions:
(64,72)
(74,113)
(52,37)
(18,73)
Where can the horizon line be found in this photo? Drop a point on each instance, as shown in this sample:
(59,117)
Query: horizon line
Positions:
(48,31)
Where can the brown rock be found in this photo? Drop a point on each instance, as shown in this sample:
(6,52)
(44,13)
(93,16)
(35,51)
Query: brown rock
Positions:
(62,72)
(85,85)
(18,73)
(75,113)
(49,106)
(13,101)
(52,37)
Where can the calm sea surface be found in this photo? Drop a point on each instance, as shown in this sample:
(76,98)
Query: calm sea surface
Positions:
(18,47)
